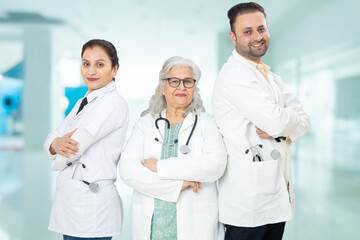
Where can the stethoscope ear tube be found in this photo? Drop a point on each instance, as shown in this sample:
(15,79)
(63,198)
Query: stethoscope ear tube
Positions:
(275,154)
(257,156)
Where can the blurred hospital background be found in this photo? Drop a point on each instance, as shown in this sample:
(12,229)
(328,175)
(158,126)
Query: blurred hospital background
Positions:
(315,47)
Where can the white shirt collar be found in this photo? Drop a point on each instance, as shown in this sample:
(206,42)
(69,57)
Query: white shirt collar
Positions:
(94,94)
(243,60)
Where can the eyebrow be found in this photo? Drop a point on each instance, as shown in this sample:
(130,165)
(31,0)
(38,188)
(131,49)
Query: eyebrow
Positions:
(97,60)
(256,27)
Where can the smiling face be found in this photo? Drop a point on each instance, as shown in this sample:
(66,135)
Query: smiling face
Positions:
(96,68)
(251,38)
(178,98)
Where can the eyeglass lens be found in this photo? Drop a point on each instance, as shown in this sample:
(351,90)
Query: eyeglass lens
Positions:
(175,82)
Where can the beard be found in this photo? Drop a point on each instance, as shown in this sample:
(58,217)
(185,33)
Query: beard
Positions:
(249,52)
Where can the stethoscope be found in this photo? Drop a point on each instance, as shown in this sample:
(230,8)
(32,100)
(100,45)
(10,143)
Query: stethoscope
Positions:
(274,154)
(184,149)
(93,186)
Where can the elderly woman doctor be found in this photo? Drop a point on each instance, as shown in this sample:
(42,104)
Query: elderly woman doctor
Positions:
(172,160)
(85,149)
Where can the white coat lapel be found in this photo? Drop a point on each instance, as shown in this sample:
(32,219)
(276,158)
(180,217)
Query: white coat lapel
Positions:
(77,105)
(93,95)
(258,77)
(188,122)
(276,89)
(261,79)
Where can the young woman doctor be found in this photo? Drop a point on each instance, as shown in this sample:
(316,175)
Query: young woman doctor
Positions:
(85,149)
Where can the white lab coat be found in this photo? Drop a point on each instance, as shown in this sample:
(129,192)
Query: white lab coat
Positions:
(197,213)
(76,210)
(256,193)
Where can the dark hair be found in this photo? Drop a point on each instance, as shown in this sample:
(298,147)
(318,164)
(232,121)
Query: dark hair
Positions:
(108,48)
(243,8)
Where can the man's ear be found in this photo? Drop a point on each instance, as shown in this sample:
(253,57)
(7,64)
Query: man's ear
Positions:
(233,37)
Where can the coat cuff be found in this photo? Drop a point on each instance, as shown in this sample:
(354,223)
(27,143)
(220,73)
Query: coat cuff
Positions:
(49,140)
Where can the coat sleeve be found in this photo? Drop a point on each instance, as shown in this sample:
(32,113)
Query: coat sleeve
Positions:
(104,118)
(85,139)
(58,132)
(140,178)
(304,124)
(207,166)
(239,89)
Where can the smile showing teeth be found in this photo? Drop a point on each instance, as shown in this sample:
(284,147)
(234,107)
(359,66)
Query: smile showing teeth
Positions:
(257,45)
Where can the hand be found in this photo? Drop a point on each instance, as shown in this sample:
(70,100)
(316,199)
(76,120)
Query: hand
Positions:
(263,134)
(150,163)
(195,185)
(64,145)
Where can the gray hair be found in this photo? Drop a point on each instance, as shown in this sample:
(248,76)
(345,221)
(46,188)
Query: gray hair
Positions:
(158,101)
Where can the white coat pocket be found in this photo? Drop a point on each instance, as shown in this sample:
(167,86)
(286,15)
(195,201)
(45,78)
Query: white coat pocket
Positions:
(268,177)
(74,204)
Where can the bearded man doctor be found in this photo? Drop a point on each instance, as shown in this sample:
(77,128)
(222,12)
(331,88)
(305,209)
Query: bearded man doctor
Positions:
(86,148)
(259,120)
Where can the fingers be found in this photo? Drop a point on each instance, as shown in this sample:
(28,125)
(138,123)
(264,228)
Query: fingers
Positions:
(259,131)
(186,185)
(67,138)
(195,187)
(65,149)
(72,142)
(69,148)
(62,153)
(262,134)
(71,133)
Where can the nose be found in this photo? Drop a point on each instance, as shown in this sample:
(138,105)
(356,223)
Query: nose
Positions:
(92,70)
(181,85)
(257,36)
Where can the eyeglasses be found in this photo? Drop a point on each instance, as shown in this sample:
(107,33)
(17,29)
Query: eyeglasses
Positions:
(175,82)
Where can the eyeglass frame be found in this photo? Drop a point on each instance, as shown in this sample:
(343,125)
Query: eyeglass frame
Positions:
(180,80)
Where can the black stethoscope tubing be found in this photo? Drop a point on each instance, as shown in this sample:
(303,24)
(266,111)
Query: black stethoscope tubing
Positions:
(93,186)
(185,148)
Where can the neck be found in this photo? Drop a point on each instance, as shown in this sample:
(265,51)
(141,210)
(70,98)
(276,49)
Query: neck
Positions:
(175,114)
(256,60)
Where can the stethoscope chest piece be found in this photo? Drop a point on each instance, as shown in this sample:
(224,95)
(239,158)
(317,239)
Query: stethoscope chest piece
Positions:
(94,187)
(275,154)
(184,149)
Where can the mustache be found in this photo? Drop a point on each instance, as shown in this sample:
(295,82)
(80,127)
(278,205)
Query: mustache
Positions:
(256,42)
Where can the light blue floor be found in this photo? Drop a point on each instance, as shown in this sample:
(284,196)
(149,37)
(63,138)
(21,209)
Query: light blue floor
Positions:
(327,199)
